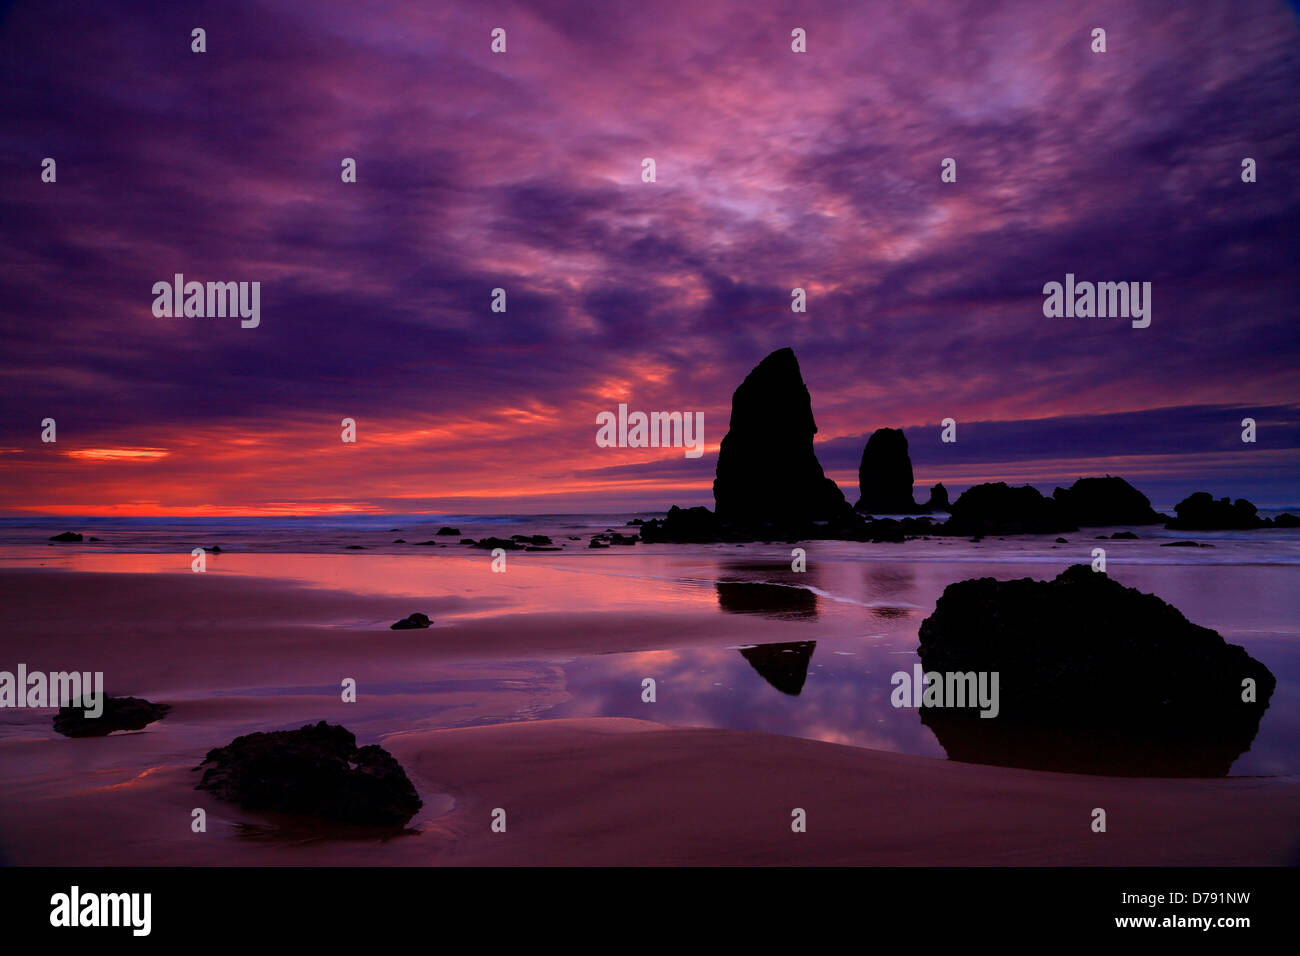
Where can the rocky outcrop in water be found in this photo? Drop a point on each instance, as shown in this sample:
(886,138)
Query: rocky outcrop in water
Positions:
(885,474)
(767,471)
(938,499)
(998,508)
(1101,502)
(1201,512)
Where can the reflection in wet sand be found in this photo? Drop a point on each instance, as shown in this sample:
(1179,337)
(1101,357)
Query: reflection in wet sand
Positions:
(784,666)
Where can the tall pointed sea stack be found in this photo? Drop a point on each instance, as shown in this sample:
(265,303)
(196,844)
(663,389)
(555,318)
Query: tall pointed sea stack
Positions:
(885,475)
(767,469)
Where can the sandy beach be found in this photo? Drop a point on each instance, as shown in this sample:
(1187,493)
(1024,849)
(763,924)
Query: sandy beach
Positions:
(595,790)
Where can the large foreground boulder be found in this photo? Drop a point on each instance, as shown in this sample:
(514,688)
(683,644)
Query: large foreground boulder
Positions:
(120,713)
(318,770)
(998,508)
(767,469)
(1101,502)
(1093,677)
(885,474)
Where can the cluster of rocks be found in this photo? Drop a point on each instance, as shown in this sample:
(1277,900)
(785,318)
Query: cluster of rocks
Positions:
(885,478)
(516,542)
(1201,512)
(611,538)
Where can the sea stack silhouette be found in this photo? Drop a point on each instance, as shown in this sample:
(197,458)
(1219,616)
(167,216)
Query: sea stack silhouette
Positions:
(885,475)
(767,469)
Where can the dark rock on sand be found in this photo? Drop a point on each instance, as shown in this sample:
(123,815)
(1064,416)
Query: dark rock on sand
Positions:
(885,474)
(1098,502)
(318,770)
(1201,512)
(634,522)
(535,539)
(411,622)
(1123,536)
(1062,540)
(356,547)
(1185,544)
(612,537)
(120,713)
(399,541)
(448,532)
(505,544)
(467,541)
(67,536)
(1094,678)
(998,508)
(767,469)
(1284,520)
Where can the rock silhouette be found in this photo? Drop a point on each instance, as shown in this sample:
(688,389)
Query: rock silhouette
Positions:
(1100,502)
(1201,512)
(411,622)
(938,499)
(767,469)
(998,508)
(885,474)
(120,713)
(318,770)
(1094,678)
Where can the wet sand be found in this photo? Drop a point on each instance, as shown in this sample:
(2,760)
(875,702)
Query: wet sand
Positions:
(582,791)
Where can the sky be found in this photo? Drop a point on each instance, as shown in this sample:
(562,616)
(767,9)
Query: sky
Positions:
(523,171)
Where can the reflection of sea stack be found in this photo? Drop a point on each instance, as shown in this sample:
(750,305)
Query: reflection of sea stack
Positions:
(885,474)
(767,469)
(784,666)
(1094,678)
(772,600)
